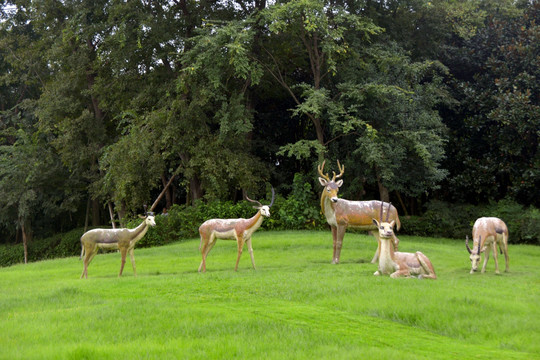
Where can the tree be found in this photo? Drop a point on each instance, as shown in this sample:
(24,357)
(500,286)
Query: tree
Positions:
(32,181)
(496,146)
(307,43)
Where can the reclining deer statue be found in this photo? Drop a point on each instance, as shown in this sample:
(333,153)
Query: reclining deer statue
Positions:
(399,264)
(488,232)
(341,214)
(232,229)
(121,239)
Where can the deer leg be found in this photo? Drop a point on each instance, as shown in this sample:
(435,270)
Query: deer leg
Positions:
(89,255)
(425,263)
(202,248)
(240,242)
(334,239)
(400,273)
(123,252)
(495,258)
(248,241)
(132,258)
(207,246)
(339,241)
(504,248)
(486,258)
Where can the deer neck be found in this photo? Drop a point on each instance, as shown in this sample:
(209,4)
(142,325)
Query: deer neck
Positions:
(327,208)
(387,257)
(139,232)
(253,223)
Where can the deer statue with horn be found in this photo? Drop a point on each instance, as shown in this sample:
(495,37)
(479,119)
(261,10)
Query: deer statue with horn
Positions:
(341,214)
(121,239)
(232,229)
(399,264)
(488,232)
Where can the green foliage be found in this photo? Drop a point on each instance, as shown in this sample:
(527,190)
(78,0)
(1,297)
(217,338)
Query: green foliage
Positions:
(442,219)
(300,210)
(302,149)
(113,98)
(494,147)
(390,107)
(57,246)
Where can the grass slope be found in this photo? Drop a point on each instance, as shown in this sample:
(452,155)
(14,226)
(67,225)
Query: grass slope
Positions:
(296,305)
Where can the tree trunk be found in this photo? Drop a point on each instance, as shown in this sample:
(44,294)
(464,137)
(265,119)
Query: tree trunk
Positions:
(25,245)
(383,191)
(122,214)
(111,214)
(195,189)
(26,230)
(402,204)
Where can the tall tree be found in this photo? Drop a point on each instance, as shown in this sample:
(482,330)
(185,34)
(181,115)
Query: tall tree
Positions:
(495,146)
(303,54)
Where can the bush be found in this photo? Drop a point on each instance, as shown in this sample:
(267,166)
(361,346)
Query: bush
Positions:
(56,246)
(301,211)
(456,220)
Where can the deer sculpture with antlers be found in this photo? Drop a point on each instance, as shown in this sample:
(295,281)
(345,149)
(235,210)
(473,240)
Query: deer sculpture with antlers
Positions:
(488,232)
(341,214)
(121,239)
(399,264)
(232,229)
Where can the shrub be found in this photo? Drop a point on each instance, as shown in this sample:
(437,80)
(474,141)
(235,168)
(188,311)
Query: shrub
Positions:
(300,210)
(11,254)
(443,219)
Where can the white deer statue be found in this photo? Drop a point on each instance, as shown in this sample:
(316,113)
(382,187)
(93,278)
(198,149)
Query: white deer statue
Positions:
(341,214)
(232,229)
(488,232)
(121,239)
(399,264)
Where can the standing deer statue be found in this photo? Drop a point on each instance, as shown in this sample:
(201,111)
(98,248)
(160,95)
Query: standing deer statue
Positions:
(341,214)
(399,264)
(487,233)
(121,239)
(232,229)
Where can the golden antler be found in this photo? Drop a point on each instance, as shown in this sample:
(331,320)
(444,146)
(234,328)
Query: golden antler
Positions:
(341,171)
(320,168)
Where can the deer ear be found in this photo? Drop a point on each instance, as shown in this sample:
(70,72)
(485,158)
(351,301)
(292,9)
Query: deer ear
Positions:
(339,183)
(392,223)
(376,223)
(323,181)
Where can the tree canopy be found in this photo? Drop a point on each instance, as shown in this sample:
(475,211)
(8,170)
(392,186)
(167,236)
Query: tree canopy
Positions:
(103,102)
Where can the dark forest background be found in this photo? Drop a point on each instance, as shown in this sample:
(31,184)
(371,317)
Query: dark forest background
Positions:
(433,105)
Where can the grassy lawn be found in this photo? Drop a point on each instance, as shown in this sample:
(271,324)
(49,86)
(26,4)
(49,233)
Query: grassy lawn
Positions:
(296,305)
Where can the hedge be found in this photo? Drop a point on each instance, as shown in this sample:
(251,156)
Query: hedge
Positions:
(299,211)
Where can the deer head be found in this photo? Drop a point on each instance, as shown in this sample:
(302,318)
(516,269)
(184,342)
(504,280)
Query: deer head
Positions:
(265,209)
(475,256)
(331,187)
(386,229)
(148,217)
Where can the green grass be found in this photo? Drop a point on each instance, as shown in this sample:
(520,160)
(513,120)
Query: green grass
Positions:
(296,305)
